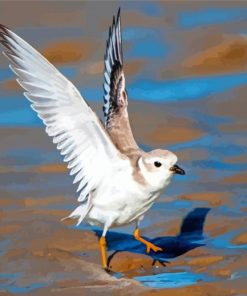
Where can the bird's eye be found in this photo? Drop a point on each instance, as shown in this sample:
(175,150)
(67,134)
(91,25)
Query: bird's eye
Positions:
(157,164)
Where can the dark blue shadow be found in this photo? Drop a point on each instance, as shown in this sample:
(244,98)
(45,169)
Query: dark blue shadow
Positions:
(190,237)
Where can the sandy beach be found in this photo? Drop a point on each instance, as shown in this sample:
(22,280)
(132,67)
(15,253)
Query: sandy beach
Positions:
(187,94)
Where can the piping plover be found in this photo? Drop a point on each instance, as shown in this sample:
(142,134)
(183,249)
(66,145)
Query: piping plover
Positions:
(117,181)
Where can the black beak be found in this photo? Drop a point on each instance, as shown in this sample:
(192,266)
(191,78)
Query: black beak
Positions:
(177,170)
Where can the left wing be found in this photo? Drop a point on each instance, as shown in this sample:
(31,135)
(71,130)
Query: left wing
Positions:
(115,97)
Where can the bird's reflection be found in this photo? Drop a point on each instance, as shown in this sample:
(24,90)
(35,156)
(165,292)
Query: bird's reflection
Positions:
(190,237)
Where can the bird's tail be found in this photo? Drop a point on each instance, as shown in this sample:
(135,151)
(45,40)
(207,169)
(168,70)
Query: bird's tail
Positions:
(80,212)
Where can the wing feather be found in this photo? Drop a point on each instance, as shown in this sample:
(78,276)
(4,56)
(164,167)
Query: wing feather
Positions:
(75,128)
(115,95)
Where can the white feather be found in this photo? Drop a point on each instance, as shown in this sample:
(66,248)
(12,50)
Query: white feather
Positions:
(69,120)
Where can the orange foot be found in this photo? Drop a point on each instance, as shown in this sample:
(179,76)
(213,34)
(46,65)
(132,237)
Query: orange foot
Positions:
(149,245)
(152,247)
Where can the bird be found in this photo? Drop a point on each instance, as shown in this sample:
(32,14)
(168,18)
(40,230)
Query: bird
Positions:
(117,181)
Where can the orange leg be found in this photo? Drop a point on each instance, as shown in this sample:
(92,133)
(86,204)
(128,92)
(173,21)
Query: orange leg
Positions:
(102,243)
(149,245)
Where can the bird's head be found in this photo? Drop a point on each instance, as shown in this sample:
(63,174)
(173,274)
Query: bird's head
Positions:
(158,166)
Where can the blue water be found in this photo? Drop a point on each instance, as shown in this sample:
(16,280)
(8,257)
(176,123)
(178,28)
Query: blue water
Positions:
(173,279)
(211,16)
(186,88)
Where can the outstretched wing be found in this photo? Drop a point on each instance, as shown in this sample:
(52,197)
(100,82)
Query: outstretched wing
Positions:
(115,97)
(75,128)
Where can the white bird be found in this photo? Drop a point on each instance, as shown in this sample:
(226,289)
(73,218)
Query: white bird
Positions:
(117,181)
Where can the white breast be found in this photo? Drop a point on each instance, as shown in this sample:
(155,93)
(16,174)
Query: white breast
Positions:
(121,201)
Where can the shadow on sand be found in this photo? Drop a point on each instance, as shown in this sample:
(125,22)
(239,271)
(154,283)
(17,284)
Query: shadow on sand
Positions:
(190,237)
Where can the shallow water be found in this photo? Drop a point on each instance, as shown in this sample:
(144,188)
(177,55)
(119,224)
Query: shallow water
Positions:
(186,75)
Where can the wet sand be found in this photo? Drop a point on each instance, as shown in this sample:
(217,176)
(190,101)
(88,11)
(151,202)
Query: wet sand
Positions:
(187,90)
(41,255)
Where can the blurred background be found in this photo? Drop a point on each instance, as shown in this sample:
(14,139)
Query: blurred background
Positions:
(186,70)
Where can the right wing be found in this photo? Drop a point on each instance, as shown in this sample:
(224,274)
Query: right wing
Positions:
(75,128)
(115,97)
